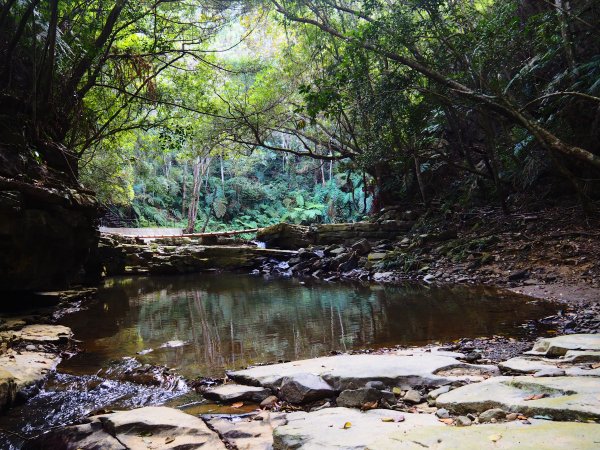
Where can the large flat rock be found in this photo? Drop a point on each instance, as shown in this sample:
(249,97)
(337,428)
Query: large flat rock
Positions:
(566,398)
(40,333)
(530,364)
(249,433)
(344,428)
(560,345)
(538,435)
(28,368)
(155,427)
(354,371)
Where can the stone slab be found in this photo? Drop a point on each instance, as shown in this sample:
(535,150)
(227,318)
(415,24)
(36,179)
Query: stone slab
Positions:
(532,364)
(237,392)
(253,433)
(159,427)
(40,333)
(354,371)
(155,427)
(328,428)
(567,398)
(28,368)
(560,345)
(538,435)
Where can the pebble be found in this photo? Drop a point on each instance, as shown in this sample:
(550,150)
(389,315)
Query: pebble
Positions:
(268,402)
(412,396)
(512,416)
(463,421)
(492,415)
(442,413)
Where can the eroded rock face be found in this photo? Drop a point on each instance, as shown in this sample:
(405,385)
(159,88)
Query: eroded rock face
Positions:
(150,427)
(47,235)
(561,398)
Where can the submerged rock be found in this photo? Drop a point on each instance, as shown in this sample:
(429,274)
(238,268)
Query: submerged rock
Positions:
(149,427)
(561,398)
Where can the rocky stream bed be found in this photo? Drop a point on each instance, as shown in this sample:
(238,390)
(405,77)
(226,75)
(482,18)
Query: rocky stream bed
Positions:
(483,392)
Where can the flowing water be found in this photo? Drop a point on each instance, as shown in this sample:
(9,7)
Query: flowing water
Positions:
(200,325)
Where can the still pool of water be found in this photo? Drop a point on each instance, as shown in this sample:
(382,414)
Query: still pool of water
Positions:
(227,321)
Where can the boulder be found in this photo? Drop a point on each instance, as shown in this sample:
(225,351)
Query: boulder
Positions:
(285,236)
(361,247)
(356,398)
(561,398)
(235,392)
(303,388)
(143,428)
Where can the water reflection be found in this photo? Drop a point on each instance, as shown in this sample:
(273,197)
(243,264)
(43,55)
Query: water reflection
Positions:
(230,321)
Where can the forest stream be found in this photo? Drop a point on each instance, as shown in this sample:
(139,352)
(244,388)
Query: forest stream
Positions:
(201,325)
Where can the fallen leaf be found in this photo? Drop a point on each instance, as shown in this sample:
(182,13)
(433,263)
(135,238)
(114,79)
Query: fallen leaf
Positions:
(447,421)
(237,405)
(398,418)
(596,366)
(495,437)
(534,397)
(369,405)
(521,417)
(168,440)
(347,425)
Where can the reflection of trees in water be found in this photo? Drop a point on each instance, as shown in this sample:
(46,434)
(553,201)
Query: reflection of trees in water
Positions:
(233,321)
(258,323)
